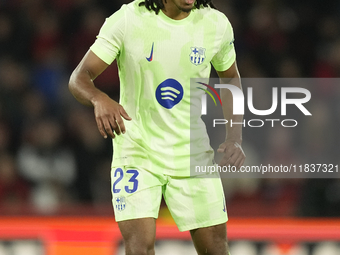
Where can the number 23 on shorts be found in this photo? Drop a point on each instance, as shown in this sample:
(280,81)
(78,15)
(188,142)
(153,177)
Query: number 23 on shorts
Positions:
(130,188)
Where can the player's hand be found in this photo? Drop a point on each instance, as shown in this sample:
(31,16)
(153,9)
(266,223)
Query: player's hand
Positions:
(108,114)
(233,154)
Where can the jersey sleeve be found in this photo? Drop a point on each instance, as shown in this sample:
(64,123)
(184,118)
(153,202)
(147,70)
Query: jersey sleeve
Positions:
(110,38)
(226,56)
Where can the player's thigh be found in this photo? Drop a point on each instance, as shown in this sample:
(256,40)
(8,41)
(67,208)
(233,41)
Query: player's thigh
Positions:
(195,202)
(211,240)
(139,235)
(136,193)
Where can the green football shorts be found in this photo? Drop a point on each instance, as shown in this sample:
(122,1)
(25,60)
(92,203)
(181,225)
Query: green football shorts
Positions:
(194,202)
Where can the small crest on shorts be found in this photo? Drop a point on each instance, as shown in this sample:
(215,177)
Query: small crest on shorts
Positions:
(197,55)
(120,203)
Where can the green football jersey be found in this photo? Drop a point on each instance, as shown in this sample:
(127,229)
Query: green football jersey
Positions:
(157,56)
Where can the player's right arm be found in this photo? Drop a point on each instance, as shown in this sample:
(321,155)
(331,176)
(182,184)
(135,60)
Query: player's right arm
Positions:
(108,113)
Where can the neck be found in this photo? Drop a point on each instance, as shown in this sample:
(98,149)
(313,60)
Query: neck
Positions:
(176,11)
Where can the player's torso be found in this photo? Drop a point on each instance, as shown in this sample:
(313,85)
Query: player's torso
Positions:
(160,52)
(158,58)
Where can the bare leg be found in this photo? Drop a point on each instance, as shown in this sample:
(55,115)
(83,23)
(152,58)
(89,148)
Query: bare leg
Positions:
(211,240)
(139,236)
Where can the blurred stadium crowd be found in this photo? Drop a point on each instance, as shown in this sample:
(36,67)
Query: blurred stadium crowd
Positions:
(51,153)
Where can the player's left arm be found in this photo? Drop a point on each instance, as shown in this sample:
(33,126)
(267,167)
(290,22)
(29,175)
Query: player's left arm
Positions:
(232,147)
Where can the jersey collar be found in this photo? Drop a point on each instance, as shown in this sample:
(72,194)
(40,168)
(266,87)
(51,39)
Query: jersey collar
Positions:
(184,21)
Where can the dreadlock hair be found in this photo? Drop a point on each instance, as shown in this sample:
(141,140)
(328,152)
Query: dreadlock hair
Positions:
(157,5)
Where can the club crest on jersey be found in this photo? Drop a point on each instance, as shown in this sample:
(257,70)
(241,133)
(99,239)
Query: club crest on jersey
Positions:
(197,55)
(120,203)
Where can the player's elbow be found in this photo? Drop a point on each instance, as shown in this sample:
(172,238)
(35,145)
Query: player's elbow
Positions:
(72,84)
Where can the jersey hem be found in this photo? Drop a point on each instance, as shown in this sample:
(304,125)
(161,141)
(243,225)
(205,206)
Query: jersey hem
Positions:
(153,168)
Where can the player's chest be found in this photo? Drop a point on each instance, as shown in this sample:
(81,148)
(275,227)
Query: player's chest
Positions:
(184,47)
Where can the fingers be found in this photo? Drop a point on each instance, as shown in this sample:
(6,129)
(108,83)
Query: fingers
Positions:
(234,155)
(110,126)
(107,126)
(242,162)
(104,127)
(109,118)
(227,155)
(124,114)
(221,148)
(101,127)
(237,161)
(120,121)
(232,160)
(120,125)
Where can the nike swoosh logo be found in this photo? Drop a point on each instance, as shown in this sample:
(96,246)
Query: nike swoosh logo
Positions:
(151,55)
